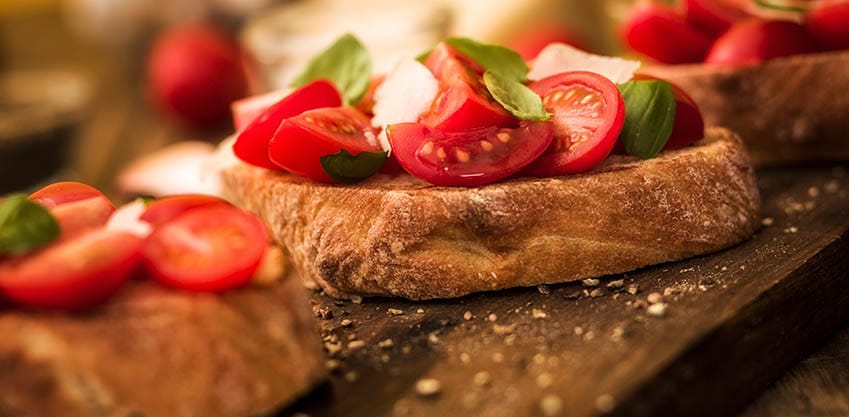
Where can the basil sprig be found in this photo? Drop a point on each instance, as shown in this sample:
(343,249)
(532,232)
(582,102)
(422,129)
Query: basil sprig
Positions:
(346,168)
(493,58)
(346,63)
(25,226)
(649,116)
(515,97)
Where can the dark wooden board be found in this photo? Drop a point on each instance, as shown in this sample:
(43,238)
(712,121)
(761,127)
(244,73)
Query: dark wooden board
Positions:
(736,321)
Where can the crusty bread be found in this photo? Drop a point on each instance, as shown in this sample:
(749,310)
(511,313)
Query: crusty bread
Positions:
(402,237)
(789,109)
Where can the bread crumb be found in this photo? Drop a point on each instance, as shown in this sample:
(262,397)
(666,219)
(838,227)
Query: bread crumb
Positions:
(598,292)
(433,337)
(482,378)
(543,289)
(579,330)
(503,329)
(428,387)
(832,186)
(640,304)
(619,283)
(791,229)
(468,315)
(544,380)
(813,192)
(356,344)
(356,299)
(617,333)
(465,357)
(395,312)
(332,348)
(605,403)
(420,311)
(590,282)
(346,323)
(767,221)
(387,343)
(633,289)
(657,310)
(654,298)
(492,317)
(551,405)
(498,357)
(589,336)
(538,314)
(351,376)
(332,365)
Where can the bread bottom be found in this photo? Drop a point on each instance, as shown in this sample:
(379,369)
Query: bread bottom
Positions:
(402,237)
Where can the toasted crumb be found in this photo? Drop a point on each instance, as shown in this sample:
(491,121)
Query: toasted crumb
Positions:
(617,333)
(356,344)
(543,289)
(657,310)
(598,292)
(332,348)
(465,357)
(579,330)
(468,315)
(767,221)
(589,336)
(356,299)
(420,311)
(551,405)
(590,282)
(640,304)
(406,349)
(351,376)
(332,365)
(428,387)
(492,317)
(633,289)
(433,337)
(498,357)
(346,323)
(544,380)
(395,312)
(385,344)
(482,378)
(538,314)
(619,283)
(503,329)
(791,229)
(814,192)
(605,403)
(654,298)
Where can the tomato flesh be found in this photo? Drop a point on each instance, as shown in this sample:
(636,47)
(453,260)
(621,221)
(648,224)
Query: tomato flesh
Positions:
(167,208)
(828,23)
(753,41)
(77,207)
(462,101)
(468,158)
(72,274)
(301,141)
(710,16)
(246,110)
(588,115)
(64,192)
(208,249)
(252,143)
(657,31)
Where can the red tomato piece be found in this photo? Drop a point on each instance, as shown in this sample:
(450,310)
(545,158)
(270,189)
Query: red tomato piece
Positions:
(657,31)
(72,274)
(753,41)
(469,158)
(588,115)
(828,23)
(167,208)
(710,16)
(301,141)
(252,143)
(77,207)
(246,110)
(208,249)
(462,102)
(689,125)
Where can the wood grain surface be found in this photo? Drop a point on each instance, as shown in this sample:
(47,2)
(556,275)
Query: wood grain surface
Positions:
(733,323)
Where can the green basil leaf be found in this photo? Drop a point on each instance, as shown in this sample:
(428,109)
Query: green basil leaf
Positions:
(649,116)
(515,97)
(25,226)
(422,57)
(346,64)
(493,58)
(346,168)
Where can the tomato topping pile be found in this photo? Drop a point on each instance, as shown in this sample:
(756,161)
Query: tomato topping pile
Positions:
(723,33)
(190,242)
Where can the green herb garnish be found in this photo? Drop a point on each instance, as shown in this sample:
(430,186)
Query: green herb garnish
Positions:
(25,226)
(346,64)
(649,116)
(346,168)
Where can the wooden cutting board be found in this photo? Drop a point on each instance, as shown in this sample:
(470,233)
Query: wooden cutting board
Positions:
(733,322)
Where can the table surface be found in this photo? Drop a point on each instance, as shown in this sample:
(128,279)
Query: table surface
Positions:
(121,126)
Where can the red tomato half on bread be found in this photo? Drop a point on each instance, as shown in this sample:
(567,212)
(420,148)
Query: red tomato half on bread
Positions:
(76,206)
(209,249)
(588,114)
(252,143)
(468,158)
(301,141)
(655,30)
(753,41)
(828,22)
(463,101)
(166,209)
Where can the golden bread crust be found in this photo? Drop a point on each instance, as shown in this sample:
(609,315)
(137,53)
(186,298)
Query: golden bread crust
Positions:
(402,237)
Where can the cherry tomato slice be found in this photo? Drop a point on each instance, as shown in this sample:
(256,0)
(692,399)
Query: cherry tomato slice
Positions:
(710,16)
(755,40)
(252,143)
(469,158)
(246,110)
(657,31)
(302,140)
(168,208)
(463,101)
(588,115)
(828,23)
(77,207)
(689,125)
(208,249)
(72,274)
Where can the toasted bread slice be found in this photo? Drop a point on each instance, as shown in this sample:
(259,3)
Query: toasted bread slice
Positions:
(402,237)
(790,109)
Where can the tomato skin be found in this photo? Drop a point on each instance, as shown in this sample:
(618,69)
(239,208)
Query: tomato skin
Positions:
(166,209)
(252,143)
(710,16)
(470,158)
(756,40)
(60,193)
(828,23)
(689,125)
(247,109)
(584,135)
(77,207)
(302,140)
(72,274)
(207,249)
(463,101)
(658,32)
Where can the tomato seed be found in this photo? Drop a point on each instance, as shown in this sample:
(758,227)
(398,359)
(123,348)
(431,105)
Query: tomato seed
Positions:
(462,155)
(504,137)
(486,146)
(441,154)
(427,148)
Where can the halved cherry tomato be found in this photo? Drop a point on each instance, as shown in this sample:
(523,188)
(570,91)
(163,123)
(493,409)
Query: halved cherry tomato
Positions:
(469,158)
(77,207)
(74,273)
(689,125)
(588,115)
(753,41)
(711,16)
(207,249)
(168,208)
(302,140)
(657,31)
(252,143)
(828,23)
(463,101)
(366,104)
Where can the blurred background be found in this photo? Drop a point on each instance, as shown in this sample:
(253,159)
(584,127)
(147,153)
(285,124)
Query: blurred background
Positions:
(87,85)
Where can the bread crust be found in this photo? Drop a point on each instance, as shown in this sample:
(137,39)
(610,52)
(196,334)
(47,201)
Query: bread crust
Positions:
(790,109)
(402,237)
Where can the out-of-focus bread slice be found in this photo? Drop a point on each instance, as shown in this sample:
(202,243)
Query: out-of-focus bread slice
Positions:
(402,237)
(790,109)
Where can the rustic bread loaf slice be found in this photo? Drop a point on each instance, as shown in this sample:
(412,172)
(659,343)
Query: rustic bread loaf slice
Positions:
(790,109)
(402,237)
